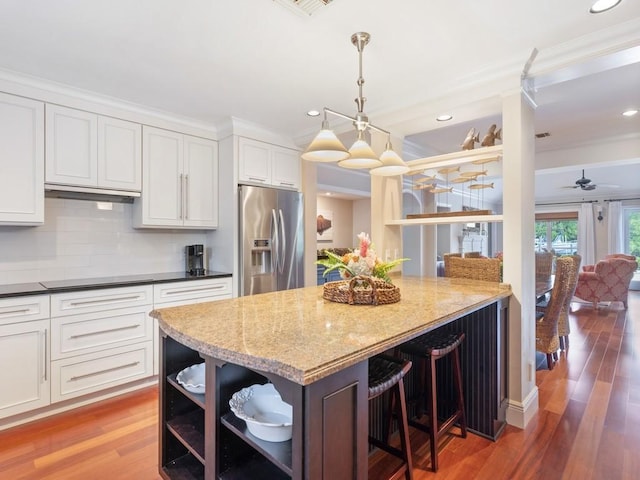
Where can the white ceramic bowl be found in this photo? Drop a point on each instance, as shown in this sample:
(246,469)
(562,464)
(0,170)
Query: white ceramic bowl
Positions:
(192,378)
(267,416)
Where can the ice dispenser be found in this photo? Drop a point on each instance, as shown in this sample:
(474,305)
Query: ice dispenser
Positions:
(261,256)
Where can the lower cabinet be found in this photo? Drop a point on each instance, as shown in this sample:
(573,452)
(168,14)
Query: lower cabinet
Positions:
(83,374)
(62,346)
(100,339)
(175,294)
(24,354)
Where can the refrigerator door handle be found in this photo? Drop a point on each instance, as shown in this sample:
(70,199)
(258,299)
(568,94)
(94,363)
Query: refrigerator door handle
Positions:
(282,251)
(275,242)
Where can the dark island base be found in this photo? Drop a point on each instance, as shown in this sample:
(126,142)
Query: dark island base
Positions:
(201,439)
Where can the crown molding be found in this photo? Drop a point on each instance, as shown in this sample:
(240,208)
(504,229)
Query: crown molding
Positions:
(57,93)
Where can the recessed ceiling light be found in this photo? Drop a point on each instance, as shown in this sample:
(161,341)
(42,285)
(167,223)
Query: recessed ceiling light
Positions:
(313,113)
(600,6)
(630,112)
(328,194)
(444,118)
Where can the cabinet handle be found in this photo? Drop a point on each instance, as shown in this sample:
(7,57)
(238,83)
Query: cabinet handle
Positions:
(44,360)
(262,180)
(186,196)
(113,369)
(183,291)
(119,329)
(14,312)
(181,195)
(288,184)
(118,299)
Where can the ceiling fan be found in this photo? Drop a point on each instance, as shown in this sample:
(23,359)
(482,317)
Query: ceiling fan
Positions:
(584,183)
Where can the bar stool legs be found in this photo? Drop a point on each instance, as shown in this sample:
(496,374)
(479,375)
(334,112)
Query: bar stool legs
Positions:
(428,349)
(387,373)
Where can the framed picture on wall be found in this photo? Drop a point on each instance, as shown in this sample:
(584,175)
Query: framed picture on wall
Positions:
(324,226)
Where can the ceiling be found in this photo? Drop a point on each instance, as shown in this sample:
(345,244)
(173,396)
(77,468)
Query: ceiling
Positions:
(208,60)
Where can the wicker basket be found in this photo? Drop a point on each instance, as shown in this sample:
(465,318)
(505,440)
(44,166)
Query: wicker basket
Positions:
(361,290)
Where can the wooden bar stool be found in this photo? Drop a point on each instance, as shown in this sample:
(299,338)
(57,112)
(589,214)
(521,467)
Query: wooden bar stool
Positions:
(387,373)
(428,349)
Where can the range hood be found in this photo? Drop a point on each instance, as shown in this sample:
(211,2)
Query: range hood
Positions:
(90,194)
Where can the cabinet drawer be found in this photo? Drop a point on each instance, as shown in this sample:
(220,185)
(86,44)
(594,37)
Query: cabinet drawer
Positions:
(88,301)
(196,290)
(23,309)
(77,334)
(72,377)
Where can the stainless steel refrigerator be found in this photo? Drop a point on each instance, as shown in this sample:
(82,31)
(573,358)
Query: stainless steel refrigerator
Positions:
(271,239)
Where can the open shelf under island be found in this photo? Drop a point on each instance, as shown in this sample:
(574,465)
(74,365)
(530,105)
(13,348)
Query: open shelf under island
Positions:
(316,353)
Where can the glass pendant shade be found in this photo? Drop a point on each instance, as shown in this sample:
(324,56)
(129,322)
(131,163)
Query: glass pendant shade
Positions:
(361,156)
(392,164)
(325,148)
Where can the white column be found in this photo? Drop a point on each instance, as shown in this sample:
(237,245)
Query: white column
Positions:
(519,262)
(386,204)
(310,191)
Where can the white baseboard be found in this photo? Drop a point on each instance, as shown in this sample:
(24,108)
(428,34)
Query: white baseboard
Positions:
(519,414)
(67,405)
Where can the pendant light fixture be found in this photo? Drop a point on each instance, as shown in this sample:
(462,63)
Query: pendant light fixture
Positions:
(326,147)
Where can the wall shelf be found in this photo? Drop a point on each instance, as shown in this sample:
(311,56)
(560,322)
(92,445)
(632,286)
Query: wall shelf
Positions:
(484,154)
(446,220)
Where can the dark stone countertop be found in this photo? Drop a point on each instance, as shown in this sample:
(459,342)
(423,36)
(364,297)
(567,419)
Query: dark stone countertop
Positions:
(56,286)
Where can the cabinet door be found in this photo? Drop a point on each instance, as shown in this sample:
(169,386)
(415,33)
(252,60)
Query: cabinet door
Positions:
(24,355)
(21,161)
(200,182)
(285,167)
(119,154)
(71,146)
(162,177)
(254,161)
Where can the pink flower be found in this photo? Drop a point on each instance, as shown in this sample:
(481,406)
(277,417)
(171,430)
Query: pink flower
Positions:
(364,243)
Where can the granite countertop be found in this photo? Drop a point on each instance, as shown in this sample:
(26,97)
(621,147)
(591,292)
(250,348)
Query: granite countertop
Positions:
(302,337)
(56,286)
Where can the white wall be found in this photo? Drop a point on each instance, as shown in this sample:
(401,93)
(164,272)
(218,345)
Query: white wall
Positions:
(342,222)
(361,218)
(80,241)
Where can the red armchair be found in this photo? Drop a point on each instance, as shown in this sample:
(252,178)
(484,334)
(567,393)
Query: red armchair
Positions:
(607,280)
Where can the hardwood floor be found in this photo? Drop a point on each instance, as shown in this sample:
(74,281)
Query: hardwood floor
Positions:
(587,427)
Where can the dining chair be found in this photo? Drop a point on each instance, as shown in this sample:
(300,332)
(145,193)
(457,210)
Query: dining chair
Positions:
(547,340)
(486,269)
(447,262)
(544,264)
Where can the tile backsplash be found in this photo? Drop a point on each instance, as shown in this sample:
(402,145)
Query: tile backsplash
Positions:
(81,240)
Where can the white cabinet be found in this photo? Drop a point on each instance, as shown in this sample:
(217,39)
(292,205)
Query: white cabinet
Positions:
(88,150)
(100,339)
(194,291)
(21,161)
(267,164)
(174,294)
(24,354)
(180,177)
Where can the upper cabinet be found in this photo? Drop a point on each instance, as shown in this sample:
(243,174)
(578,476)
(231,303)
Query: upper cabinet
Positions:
(266,164)
(88,150)
(180,176)
(21,161)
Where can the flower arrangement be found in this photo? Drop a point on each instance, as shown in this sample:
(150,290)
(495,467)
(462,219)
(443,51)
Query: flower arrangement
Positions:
(361,261)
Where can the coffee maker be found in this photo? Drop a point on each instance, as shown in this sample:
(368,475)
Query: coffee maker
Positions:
(194,255)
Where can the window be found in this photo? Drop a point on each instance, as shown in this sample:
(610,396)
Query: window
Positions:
(631,216)
(557,232)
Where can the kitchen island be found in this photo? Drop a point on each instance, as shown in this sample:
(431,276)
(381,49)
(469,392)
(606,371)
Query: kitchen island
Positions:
(315,352)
